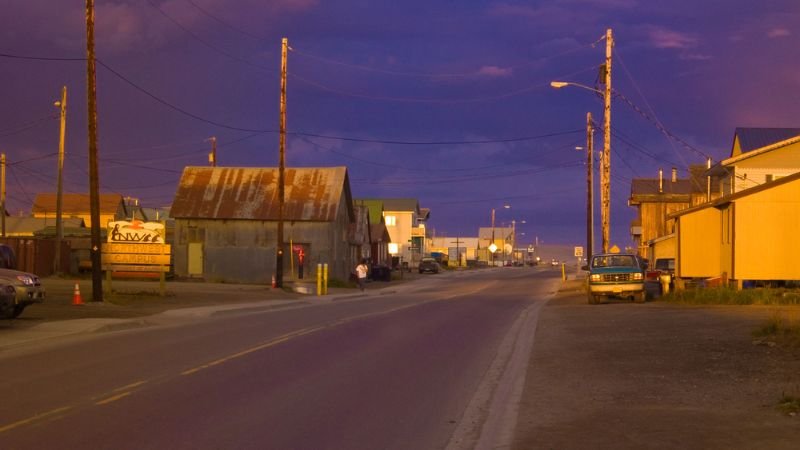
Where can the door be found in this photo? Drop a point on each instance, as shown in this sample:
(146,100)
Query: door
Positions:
(195,259)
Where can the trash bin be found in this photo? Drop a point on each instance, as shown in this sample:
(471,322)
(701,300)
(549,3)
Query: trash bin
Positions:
(381,273)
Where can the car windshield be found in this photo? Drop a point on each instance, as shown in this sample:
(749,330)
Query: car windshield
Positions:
(665,264)
(614,261)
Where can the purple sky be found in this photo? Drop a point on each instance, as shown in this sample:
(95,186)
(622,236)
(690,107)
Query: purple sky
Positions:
(471,76)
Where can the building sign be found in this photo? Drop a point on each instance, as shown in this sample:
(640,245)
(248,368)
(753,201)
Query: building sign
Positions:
(579,252)
(136,246)
(136,231)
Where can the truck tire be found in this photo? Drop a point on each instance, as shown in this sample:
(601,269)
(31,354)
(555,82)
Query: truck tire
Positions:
(640,297)
(594,299)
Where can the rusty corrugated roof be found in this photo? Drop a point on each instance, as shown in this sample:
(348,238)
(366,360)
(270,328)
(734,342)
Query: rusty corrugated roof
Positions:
(74,204)
(311,193)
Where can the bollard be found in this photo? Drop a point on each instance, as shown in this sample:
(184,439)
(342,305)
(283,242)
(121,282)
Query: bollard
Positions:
(563,272)
(325,279)
(319,279)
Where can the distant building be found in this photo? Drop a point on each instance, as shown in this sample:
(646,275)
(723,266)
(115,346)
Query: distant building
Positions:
(112,207)
(405,221)
(656,198)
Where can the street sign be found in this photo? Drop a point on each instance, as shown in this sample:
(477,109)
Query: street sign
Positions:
(579,252)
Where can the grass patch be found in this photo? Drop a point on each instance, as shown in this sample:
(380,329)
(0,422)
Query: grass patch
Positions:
(731,296)
(780,329)
(789,405)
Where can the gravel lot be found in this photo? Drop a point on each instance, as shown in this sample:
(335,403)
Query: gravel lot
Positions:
(622,375)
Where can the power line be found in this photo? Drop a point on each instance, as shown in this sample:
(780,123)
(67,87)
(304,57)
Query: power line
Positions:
(26,127)
(226,24)
(207,44)
(464,142)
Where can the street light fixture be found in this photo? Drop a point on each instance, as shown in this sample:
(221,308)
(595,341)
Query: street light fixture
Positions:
(605,166)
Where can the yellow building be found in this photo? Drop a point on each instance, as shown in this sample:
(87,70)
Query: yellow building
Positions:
(749,235)
(112,207)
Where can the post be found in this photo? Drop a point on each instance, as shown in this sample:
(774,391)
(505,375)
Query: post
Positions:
(212,157)
(94,182)
(708,180)
(281,166)
(325,278)
(3,194)
(605,174)
(491,253)
(319,279)
(60,181)
(589,186)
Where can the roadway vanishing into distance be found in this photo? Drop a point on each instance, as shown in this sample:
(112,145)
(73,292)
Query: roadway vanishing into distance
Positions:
(437,364)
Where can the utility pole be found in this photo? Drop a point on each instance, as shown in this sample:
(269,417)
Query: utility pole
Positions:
(458,249)
(281,167)
(94,181)
(60,181)
(212,157)
(490,250)
(605,172)
(3,192)
(589,186)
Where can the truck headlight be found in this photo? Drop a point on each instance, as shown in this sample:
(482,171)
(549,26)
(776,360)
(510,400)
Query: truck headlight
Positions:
(594,277)
(637,276)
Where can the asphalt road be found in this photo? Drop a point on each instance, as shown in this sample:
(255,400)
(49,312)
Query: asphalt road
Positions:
(428,368)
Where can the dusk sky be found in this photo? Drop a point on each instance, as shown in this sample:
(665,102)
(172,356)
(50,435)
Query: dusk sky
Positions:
(445,101)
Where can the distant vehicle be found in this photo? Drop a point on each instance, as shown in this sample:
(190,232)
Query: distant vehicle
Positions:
(554,262)
(429,265)
(616,274)
(27,287)
(663,269)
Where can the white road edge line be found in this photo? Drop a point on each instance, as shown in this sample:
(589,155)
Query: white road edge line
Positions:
(490,418)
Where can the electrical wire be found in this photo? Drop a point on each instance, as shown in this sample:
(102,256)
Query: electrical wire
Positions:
(26,127)
(206,43)
(226,24)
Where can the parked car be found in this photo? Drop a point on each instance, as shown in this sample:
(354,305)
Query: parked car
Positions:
(429,265)
(616,274)
(663,272)
(27,287)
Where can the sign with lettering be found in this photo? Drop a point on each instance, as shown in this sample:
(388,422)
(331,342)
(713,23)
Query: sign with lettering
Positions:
(136,231)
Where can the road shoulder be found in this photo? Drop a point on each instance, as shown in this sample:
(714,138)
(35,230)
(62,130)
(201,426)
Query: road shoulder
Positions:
(653,375)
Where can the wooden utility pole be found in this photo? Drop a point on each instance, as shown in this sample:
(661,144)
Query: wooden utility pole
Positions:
(281,167)
(94,181)
(212,157)
(458,248)
(3,193)
(605,172)
(589,186)
(60,181)
(490,251)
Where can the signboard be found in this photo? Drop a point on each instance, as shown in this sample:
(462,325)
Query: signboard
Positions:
(579,252)
(136,231)
(134,258)
(136,246)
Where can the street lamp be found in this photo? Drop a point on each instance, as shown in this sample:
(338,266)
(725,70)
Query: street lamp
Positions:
(493,246)
(605,166)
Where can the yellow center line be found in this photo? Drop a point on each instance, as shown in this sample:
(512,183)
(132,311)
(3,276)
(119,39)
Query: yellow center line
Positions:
(36,418)
(130,386)
(288,336)
(113,398)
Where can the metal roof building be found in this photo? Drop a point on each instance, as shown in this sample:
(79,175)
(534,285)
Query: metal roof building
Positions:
(226,222)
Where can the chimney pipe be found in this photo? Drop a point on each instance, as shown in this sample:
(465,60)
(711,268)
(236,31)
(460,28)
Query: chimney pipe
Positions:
(674,175)
(660,181)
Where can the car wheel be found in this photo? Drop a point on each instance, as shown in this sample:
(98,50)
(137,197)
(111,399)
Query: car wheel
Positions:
(17,311)
(593,299)
(640,297)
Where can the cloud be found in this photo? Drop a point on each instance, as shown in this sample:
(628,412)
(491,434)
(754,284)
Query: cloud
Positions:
(661,37)
(778,33)
(494,71)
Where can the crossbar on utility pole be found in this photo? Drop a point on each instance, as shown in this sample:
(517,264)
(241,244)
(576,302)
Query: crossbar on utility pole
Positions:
(281,167)
(605,172)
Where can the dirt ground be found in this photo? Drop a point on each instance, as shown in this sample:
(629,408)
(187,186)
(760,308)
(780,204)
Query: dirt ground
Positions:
(622,375)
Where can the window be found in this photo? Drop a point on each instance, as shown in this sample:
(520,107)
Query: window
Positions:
(391,221)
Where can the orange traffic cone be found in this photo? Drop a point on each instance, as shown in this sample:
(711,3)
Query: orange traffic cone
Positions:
(76,297)
(274,283)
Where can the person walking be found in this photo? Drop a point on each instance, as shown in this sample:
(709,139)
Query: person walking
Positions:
(361,273)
